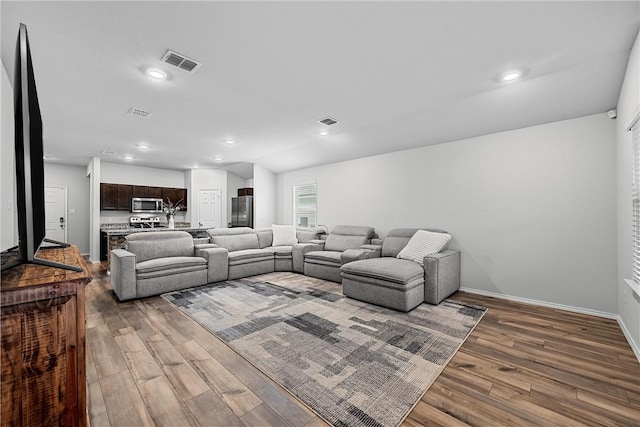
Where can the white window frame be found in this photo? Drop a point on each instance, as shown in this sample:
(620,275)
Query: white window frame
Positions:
(309,188)
(635,203)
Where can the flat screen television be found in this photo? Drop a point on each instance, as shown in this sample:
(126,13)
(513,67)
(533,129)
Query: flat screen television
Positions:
(29,164)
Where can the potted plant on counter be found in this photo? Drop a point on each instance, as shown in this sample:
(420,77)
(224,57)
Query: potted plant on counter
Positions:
(170,209)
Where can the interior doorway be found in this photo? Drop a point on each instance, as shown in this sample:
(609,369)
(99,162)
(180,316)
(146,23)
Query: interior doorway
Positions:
(209,208)
(56,213)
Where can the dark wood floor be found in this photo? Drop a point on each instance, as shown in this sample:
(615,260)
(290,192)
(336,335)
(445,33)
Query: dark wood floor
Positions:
(148,364)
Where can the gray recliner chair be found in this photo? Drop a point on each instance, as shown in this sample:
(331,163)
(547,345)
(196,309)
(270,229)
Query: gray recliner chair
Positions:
(156,262)
(401,284)
(345,243)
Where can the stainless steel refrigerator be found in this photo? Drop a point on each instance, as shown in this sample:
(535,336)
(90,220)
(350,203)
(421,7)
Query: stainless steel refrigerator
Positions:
(242,211)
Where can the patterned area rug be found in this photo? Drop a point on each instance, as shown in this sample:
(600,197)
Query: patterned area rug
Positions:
(353,363)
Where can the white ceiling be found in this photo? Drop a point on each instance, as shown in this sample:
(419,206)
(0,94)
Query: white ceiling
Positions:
(396,75)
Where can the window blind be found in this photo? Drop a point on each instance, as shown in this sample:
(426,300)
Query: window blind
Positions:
(635,138)
(304,205)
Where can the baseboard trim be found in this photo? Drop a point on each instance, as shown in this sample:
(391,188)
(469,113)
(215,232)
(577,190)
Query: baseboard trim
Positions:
(543,303)
(629,338)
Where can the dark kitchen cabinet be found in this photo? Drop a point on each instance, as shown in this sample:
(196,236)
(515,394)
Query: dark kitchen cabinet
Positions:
(145,191)
(115,197)
(174,195)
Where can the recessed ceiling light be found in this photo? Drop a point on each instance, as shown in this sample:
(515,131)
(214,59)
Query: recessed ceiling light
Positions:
(323,133)
(127,157)
(511,75)
(195,166)
(154,73)
(229,142)
(143,146)
(218,159)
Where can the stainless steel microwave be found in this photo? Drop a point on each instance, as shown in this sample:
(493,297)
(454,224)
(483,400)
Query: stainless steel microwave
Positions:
(144,205)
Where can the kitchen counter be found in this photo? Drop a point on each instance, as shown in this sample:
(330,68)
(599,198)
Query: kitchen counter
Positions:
(196,232)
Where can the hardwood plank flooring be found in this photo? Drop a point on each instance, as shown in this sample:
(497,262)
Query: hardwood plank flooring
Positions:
(523,365)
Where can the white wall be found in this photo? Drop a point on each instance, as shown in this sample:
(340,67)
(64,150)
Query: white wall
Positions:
(264,197)
(628,107)
(93,173)
(115,173)
(8,216)
(77,183)
(233,183)
(206,179)
(532,210)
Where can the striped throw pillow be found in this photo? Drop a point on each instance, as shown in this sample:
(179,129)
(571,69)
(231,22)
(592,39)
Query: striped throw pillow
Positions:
(423,243)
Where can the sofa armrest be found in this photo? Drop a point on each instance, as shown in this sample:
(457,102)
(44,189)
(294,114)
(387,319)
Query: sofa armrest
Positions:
(441,275)
(123,274)
(375,251)
(351,255)
(299,249)
(205,246)
(217,262)
(318,242)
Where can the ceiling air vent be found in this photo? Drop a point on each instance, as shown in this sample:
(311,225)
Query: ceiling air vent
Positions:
(328,121)
(139,112)
(181,61)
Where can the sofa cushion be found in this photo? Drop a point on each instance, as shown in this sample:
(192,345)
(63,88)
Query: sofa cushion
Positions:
(338,242)
(385,269)
(331,258)
(265,237)
(305,235)
(160,244)
(424,243)
(234,239)
(284,235)
(249,255)
(344,237)
(353,230)
(280,251)
(166,266)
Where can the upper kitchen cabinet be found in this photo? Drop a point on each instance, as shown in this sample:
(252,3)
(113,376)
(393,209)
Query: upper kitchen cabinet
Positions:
(115,197)
(175,195)
(144,191)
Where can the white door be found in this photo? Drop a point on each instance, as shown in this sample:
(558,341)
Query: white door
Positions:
(55,213)
(209,209)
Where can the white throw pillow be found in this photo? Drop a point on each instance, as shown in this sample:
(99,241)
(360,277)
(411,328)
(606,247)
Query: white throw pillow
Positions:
(284,235)
(424,243)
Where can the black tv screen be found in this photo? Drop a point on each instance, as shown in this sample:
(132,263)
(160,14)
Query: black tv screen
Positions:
(29,152)
(29,160)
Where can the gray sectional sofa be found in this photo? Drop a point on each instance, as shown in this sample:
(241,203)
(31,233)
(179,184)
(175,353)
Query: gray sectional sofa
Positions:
(367,267)
(244,251)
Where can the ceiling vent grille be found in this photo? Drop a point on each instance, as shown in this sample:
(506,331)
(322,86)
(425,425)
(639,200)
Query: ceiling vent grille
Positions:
(181,61)
(139,113)
(328,121)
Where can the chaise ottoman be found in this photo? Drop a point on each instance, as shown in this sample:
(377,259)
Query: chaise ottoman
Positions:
(389,282)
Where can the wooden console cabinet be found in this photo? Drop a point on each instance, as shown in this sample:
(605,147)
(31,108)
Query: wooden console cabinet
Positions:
(43,342)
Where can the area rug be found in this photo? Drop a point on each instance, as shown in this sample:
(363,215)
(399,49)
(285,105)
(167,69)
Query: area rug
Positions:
(353,363)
